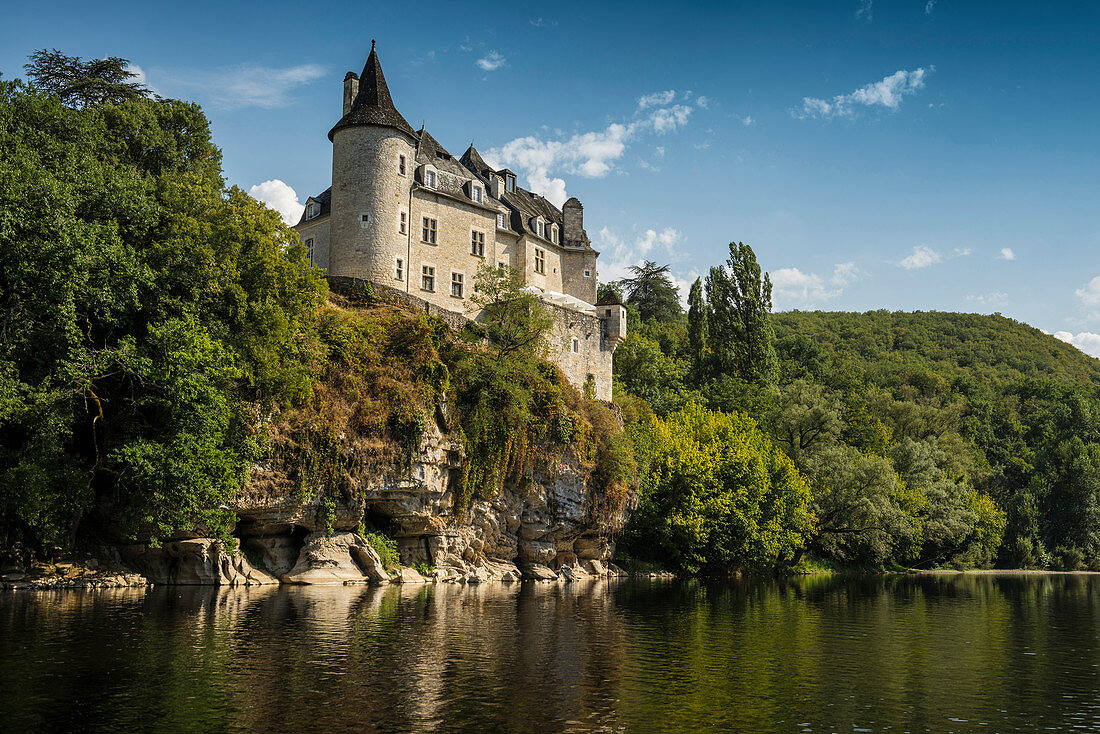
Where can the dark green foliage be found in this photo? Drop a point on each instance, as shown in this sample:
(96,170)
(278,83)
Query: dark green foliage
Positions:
(650,290)
(84,83)
(740,331)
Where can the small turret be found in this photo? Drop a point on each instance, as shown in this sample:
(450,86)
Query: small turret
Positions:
(612,315)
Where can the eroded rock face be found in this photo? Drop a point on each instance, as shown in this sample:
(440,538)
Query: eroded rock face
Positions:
(337,559)
(196,561)
(546,525)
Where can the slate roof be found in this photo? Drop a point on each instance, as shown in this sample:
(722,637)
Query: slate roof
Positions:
(373,105)
(325,199)
(524,204)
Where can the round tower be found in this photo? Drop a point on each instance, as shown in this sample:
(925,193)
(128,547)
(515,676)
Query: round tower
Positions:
(373,159)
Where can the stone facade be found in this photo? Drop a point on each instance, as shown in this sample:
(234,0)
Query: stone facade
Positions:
(403,213)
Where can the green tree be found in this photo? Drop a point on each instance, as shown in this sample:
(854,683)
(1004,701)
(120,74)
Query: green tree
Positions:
(651,291)
(515,320)
(84,83)
(740,300)
(716,494)
(698,328)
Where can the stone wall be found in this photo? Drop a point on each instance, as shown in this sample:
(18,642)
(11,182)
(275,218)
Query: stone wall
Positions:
(317,230)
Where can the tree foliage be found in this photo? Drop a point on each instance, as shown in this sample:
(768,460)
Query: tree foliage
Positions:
(80,83)
(740,330)
(651,291)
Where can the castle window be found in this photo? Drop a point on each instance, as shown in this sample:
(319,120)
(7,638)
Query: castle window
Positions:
(399,269)
(429,179)
(540,261)
(575,346)
(364,220)
(312,210)
(510,182)
(401,164)
(456,285)
(403,225)
(588,273)
(500,221)
(309,250)
(427,278)
(554,234)
(502,266)
(475,194)
(539,228)
(609,312)
(477,244)
(427,232)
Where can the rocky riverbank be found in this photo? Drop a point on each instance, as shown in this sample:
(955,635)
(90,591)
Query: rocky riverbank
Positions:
(547,530)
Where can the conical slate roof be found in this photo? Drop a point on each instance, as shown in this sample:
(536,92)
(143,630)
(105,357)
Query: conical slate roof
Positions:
(373,105)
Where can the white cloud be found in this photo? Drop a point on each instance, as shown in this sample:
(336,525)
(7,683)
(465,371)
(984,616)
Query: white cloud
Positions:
(1086,341)
(747,120)
(844,274)
(1007,254)
(491,61)
(703,102)
(140,77)
(590,154)
(1090,294)
(657,99)
(865,9)
(245,85)
(542,22)
(886,93)
(280,197)
(922,257)
(929,7)
(989,299)
(618,253)
(793,288)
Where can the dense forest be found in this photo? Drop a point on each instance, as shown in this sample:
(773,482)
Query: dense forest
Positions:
(161,333)
(924,439)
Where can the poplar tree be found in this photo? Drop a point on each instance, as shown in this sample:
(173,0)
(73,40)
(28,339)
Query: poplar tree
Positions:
(698,315)
(740,301)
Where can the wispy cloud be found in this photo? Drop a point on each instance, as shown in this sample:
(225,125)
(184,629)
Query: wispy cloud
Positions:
(1090,295)
(491,61)
(542,22)
(656,99)
(885,94)
(922,257)
(929,7)
(1007,254)
(591,154)
(989,299)
(280,197)
(236,87)
(865,10)
(1086,341)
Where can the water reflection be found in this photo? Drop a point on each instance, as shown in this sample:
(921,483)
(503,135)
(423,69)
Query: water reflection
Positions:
(933,653)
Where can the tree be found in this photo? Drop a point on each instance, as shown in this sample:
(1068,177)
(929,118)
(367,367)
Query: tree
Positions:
(83,83)
(698,334)
(717,494)
(652,292)
(804,421)
(515,320)
(740,300)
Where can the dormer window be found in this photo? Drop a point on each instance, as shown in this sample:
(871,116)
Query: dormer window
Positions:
(510,182)
(554,234)
(429,178)
(312,210)
(475,193)
(539,228)
(500,221)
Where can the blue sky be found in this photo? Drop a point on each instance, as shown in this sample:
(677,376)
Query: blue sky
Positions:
(908,155)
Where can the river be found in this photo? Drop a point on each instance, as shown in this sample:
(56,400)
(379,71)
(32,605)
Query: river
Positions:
(936,653)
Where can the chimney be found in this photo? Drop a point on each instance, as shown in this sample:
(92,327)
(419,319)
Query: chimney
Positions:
(573,216)
(351,90)
(495,186)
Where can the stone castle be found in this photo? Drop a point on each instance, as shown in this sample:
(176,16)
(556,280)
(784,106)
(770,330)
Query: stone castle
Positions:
(404,214)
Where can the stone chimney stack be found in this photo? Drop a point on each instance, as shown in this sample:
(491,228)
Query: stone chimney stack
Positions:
(351,89)
(573,214)
(495,186)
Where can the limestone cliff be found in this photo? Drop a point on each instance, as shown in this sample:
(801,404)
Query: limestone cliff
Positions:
(548,529)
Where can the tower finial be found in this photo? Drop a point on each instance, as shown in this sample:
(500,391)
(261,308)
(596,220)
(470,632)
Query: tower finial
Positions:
(372,44)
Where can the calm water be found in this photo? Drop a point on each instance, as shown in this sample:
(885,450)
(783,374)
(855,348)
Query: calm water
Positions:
(818,654)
